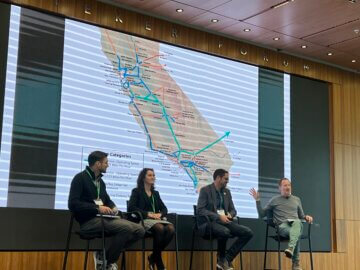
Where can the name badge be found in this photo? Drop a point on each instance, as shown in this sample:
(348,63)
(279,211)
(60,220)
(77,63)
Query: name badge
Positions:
(99,202)
(221,212)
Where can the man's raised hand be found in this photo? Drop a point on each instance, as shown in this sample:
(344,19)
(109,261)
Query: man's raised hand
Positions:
(254,194)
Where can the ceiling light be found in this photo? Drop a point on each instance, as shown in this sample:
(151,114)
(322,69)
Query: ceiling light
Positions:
(147,26)
(352,1)
(353,61)
(282,4)
(276,38)
(118,19)
(179,10)
(214,20)
(247,30)
(87,10)
(243,51)
(356,31)
(329,53)
(303,46)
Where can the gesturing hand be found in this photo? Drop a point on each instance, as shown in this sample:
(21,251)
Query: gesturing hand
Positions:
(254,194)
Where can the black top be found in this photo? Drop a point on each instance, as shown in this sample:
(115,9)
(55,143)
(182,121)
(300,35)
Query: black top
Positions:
(220,200)
(140,201)
(83,192)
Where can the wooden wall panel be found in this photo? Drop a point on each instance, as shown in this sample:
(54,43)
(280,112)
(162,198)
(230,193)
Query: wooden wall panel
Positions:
(338,111)
(66,8)
(345,91)
(347,184)
(341,236)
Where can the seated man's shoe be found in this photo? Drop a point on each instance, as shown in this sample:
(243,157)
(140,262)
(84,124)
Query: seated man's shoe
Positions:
(98,260)
(160,264)
(289,252)
(296,266)
(151,261)
(112,266)
(223,264)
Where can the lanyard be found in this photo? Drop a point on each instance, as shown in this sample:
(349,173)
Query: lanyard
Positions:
(96,183)
(221,200)
(153,203)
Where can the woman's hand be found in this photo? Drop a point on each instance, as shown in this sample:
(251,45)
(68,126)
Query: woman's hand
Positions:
(154,215)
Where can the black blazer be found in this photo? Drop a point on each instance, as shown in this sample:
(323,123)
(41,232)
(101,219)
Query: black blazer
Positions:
(140,201)
(206,205)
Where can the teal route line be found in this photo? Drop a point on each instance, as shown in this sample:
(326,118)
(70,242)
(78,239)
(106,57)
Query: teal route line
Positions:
(188,165)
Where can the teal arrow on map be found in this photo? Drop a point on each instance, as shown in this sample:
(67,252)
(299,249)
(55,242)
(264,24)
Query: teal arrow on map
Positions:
(215,142)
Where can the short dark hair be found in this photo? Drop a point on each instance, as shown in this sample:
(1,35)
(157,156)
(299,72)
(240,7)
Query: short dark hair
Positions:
(141,178)
(283,179)
(96,156)
(219,172)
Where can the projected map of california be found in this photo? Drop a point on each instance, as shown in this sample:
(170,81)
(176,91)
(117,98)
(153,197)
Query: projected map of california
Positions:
(171,122)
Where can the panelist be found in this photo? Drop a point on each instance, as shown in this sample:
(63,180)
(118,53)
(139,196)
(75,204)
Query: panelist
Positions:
(88,198)
(215,201)
(145,199)
(287,213)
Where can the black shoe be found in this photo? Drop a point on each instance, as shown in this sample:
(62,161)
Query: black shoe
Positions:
(159,264)
(98,260)
(151,262)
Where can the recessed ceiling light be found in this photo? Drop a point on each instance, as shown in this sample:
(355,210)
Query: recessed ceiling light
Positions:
(353,61)
(276,38)
(282,3)
(247,30)
(87,10)
(179,10)
(303,46)
(329,53)
(356,31)
(214,20)
(118,19)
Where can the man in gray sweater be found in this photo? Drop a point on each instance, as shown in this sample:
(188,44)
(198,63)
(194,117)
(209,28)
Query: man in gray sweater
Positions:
(287,213)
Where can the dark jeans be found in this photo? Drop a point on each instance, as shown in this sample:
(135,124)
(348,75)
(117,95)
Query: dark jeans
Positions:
(123,233)
(224,231)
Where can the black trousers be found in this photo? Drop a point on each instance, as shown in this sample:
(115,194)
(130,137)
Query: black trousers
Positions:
(124,233)
(224,231)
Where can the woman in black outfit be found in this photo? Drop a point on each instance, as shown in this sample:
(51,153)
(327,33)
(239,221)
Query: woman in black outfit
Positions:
(145,199)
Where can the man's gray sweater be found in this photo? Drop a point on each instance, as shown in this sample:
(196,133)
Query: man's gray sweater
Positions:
(283,208)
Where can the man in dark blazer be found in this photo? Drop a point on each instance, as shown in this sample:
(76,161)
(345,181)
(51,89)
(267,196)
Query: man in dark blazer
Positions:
(215,201)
